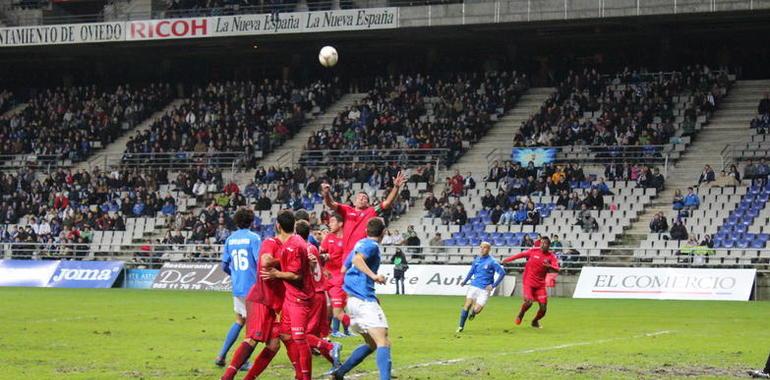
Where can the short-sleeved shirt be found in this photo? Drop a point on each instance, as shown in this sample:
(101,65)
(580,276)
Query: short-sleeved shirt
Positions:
(358,284)
(534,271)
(268,292)
(240,254)
(294,259)
(319,277)
(334,246)
(354,228)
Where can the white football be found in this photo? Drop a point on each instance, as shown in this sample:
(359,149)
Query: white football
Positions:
(328,56)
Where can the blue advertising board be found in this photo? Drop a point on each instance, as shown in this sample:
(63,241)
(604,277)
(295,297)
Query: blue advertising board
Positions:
(140,278)
(26,272)
(86,274)
(540,156)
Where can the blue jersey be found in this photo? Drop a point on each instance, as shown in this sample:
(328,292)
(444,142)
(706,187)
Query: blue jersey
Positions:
(483,272)
(358,284)
(239,259)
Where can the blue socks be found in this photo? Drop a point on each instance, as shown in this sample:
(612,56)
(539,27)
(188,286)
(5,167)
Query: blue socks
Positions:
(383,362)
(335,325)
(356,358)
(232,336)
(463,317)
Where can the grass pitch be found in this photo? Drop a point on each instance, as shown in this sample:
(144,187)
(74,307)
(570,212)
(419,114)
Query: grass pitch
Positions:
(123,333)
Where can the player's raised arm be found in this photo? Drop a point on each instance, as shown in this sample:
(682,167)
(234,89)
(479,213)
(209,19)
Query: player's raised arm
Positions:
(359,262)
(516,257)
(398,181)
(326,193)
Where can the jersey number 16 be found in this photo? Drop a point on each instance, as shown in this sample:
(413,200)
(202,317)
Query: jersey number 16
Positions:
(240,259)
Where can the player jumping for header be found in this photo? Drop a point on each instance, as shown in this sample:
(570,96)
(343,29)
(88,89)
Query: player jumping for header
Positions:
(540,261)
(482,277)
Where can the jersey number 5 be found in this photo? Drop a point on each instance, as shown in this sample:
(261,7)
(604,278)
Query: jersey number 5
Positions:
(240,259)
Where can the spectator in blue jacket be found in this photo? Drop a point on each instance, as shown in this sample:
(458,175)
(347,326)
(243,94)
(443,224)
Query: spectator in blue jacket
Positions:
(168,209)
(691,200)
(602,187)
(138,208)
(521,214)
(508,217)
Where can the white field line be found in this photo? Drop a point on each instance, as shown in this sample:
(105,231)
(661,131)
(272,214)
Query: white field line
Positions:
(528,351)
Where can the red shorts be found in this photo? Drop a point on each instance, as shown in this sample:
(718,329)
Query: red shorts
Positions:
(318,320)
(260,322)
(294,317)
(550,280)
(338,296)
(538,294)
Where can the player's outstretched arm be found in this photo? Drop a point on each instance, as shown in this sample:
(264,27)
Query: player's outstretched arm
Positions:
(360,264)
(326,193)
(272,273)
(515,257)
(397,183)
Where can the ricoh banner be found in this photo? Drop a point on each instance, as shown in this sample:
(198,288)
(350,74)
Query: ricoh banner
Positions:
(202,27)
(441,280)
(666,283)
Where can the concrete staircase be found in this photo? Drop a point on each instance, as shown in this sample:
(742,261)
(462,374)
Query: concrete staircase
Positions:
(115,149)
(288,154)
(499,138)
(729,124)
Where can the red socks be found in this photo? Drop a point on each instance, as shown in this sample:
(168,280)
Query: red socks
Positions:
(239,357)
(345,321)
(524,308)
(299,355)
(323,346)
(260,363)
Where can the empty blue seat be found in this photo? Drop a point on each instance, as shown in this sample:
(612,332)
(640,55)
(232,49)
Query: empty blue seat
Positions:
(498,242)
(511,242)
(741,228)
(742,244)
(475,242)
(483,213)
(758,244)
(449,241)
(728,244)
(461,241)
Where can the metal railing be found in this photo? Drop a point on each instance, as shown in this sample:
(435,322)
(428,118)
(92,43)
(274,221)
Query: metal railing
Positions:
(657,155)
(154,255)
(736,153)
(170,160)
(427,13)
(45,163)
(409,158)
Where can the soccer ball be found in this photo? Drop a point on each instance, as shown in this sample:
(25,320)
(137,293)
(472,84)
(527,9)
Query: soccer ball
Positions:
(328,56)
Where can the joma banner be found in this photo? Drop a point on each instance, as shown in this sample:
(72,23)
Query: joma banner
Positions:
(666,283)
(190,276)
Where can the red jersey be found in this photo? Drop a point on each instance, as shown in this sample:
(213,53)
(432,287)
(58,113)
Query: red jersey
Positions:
(294,259)
(319,277)
(535,271)
(334,246)
(354,228)
(268,292)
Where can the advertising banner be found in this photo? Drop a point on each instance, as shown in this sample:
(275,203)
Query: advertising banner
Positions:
(140,278)
(26,272)
(62,34)
(540,156)
(441,280)
(191,276)
(86,274)
(666,283)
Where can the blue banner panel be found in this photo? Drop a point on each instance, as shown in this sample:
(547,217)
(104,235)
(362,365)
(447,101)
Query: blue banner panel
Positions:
(86,274)
(26,272)
(140,278)
(540,156)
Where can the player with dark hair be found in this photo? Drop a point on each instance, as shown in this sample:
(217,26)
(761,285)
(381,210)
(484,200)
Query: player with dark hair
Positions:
(263,302)
(366,315)
(333,246)
(302,214)
(239,258)
(540,261)
(357,217)
(297,279)
(483,283)
(318,320)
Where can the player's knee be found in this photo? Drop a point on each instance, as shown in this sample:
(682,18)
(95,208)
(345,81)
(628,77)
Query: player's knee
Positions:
(274,345)
(240,320)
(250,342)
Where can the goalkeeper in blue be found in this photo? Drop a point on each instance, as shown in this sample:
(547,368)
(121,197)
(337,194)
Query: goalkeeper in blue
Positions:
(483,283)
(239,260)
(366,315)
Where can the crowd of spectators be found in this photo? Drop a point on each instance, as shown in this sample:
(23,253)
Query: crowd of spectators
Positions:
(761,123)
(626,113)
(6,101)
(65,121)
(395,114)
(241,116)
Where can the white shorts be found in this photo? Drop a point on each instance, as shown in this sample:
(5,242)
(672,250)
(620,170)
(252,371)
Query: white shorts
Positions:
(480,296)
(365,315)
(239,306)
